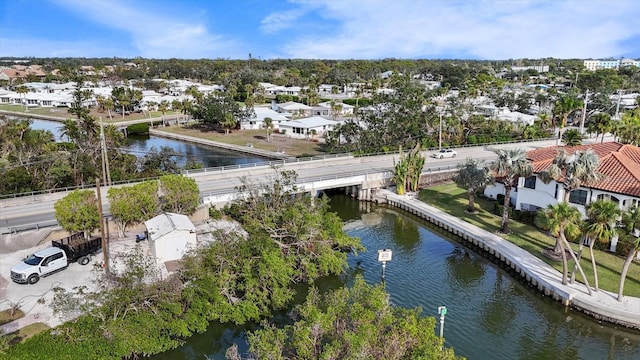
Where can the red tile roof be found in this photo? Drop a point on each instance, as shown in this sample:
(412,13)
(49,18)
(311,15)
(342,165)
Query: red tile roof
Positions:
(619,163)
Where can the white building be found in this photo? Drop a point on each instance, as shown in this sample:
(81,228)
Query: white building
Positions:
(307,127)
(619,163)
(262,113)
(170,236)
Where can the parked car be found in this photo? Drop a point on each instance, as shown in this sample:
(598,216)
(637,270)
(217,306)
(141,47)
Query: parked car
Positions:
(55,258)
(445,153)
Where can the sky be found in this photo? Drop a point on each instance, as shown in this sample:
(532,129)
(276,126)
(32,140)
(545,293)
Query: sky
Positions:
(321,29)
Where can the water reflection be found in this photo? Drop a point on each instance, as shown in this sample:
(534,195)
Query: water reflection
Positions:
(491,315)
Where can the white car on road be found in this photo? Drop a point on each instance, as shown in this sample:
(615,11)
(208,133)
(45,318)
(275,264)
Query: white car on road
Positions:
(445,153)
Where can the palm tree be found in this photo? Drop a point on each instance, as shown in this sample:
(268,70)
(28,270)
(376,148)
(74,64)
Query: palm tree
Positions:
(163,107)
(268,124)
(109,105)
(573,170)
(600,123)
(572,137)
(631,221)
(23,90)
(562,219)
(474,175)
(228,122)
(564,107)
(510,164)
(600,226)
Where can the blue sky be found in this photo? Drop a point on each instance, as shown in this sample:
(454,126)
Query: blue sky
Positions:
(326,29)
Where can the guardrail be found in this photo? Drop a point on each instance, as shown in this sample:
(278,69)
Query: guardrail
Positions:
(257,164)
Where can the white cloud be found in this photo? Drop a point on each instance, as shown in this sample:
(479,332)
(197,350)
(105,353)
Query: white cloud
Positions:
(153,32)
(277,21)
(38,47)
(478,29)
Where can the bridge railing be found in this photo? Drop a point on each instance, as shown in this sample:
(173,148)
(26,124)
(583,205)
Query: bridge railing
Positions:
(252,165)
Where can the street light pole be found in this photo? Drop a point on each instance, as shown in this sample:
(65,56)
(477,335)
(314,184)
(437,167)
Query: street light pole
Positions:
(584,112)
(440,133)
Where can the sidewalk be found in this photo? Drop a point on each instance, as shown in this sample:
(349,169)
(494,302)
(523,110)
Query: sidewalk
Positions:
(602,305)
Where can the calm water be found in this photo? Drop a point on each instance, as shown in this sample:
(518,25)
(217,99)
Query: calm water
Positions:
(490,315)
(141,145)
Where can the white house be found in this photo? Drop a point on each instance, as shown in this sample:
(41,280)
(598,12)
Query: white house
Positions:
(262,113)
(306,127)
(170,236)
(619,163)
(293,108)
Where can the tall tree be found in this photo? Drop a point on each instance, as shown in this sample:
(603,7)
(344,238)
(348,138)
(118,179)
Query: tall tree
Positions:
(600,226)
(572,171)
(560,219)
(180,194)
(631,225)
(473,175)
(78,211)
(564,107)
(600,124)
(510,165)
(348,323)
(22,91)
(135,204)
(268,124)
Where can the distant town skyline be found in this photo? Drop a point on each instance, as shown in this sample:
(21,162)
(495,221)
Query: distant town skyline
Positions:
(321,29)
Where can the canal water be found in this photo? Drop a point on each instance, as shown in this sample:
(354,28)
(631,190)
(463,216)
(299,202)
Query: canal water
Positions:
(490,314)
(140,145)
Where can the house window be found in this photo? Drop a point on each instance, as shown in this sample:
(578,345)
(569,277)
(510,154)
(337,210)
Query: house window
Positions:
(578,197)
(609,197)
(530,182)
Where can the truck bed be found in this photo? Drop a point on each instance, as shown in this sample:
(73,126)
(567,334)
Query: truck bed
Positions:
(76,246)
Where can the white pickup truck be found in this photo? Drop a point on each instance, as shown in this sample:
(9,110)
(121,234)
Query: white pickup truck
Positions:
(41,263)
(57,257)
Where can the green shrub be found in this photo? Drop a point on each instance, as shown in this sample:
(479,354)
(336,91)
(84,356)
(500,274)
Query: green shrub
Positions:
(138,128)
(215,213)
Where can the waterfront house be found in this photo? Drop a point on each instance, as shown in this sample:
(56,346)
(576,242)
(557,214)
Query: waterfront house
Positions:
(307,128)
(619,163)
(261,113)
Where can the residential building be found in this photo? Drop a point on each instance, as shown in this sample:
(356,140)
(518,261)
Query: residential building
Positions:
(307,127)
(170,236)
(619,163)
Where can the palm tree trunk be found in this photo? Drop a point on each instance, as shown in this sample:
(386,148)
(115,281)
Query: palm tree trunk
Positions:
(565,269)
(593,264)
(575,266)
(504,227)
(584,277)
(625,269)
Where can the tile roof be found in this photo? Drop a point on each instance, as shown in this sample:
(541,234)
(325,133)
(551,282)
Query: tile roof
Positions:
(619,163)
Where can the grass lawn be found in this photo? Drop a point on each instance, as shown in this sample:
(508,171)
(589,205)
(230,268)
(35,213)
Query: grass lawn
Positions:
(453,200)
(6,317)
(26,332)
(258,138)
(63,113)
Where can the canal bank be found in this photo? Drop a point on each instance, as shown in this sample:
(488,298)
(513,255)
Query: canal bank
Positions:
(242,149)
(602,305)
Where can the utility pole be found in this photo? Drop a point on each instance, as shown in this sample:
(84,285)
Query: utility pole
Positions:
(584,112)
(106,174)
(618,105)
(440,133)
(105,251)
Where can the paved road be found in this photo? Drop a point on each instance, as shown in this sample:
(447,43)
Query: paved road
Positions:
(26,211)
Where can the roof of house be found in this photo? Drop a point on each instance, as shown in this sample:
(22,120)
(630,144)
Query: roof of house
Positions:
(291,105)
(166,223)
(619,163)
(308,123)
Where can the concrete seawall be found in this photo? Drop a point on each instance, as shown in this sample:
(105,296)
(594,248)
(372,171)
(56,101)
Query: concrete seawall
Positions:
(602,305)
